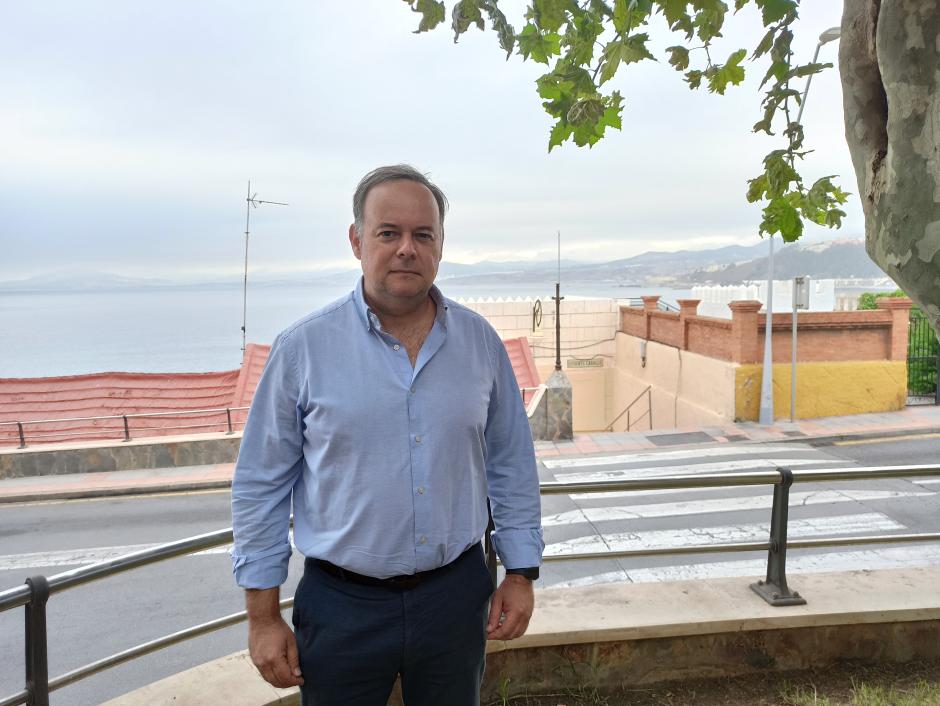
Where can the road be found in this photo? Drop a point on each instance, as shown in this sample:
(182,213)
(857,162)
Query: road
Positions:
(96,620)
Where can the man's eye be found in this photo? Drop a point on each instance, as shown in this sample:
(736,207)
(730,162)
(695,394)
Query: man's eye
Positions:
(425,236)
(387,234)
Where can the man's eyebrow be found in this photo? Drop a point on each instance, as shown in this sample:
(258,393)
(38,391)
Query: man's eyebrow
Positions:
(396,226)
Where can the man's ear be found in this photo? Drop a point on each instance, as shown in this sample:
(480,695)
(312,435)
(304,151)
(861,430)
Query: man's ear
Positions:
(355,242)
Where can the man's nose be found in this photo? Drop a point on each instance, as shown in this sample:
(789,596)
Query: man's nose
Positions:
(406,246)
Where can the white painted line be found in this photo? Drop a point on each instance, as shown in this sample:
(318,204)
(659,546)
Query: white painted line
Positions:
(67,557)
(607,577)
(81,557)
(642,456)
(863,523)
(750,464)
(932,481)
(868,559)
(710,505)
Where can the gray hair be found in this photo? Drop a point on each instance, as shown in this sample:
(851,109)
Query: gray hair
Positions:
(394,172)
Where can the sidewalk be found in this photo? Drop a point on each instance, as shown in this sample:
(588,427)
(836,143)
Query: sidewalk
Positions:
(911,420)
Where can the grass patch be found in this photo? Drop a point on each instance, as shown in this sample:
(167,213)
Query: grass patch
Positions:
(863,694)
(844,684)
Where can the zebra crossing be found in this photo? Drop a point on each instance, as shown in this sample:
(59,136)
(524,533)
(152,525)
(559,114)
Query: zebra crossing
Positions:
(698,517)
(581,523)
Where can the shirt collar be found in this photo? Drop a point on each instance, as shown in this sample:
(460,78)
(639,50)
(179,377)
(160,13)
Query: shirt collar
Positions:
(371,320)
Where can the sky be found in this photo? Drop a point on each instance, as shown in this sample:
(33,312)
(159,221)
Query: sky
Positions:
(129,132)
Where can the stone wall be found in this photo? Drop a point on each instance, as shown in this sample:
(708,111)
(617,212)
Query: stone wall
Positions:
(158,452)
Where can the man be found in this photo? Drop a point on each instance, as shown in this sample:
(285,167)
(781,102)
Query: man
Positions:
(387,419)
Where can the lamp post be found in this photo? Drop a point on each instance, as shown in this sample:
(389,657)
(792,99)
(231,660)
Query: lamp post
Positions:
(767,385)
(251,202)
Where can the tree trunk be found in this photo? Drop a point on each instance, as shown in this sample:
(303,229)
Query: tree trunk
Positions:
(889,60)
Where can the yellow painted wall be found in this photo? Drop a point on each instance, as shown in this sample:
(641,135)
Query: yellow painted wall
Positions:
(825,389)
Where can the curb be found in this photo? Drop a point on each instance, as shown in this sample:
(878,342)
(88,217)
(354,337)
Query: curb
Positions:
(115,492)
(846,436)
(190,486)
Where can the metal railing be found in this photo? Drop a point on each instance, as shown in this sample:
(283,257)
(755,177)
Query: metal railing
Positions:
(125,427)
(627,410)
(660,304)
(37,590)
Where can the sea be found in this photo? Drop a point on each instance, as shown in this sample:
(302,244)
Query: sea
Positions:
(195,328)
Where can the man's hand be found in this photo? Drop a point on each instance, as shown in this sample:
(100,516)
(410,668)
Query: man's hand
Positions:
(271,643)
(510,608)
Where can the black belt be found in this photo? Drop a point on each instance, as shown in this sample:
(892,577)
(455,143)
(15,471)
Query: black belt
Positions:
(400,582)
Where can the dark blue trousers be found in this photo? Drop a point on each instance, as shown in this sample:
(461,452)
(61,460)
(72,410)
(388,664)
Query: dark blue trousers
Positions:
(354,640)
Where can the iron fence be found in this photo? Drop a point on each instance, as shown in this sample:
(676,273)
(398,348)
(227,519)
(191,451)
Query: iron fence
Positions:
(122,424)
(37,590)
(922,360)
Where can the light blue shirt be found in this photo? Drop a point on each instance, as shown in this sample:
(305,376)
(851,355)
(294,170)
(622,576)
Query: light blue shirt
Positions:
(388,466)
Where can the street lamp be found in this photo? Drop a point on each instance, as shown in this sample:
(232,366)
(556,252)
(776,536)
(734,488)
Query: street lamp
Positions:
(767,385)
(252,202)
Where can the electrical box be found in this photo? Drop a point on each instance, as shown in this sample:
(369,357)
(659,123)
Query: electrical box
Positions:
(801,292)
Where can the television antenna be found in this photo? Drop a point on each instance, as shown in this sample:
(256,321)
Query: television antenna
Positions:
(251,202)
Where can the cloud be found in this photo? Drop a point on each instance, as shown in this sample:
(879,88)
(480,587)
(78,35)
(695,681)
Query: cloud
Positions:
(129,134)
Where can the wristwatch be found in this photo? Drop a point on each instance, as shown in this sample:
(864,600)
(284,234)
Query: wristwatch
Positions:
(531,573)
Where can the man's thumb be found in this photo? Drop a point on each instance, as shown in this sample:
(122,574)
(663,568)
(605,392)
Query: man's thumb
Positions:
(496,609)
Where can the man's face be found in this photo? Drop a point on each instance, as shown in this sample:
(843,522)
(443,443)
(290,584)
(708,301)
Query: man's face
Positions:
(400,244)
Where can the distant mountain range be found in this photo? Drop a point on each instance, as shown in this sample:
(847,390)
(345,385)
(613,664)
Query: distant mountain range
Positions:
(733,264)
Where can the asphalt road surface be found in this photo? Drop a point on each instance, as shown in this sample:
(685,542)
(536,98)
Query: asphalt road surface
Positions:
(98,619)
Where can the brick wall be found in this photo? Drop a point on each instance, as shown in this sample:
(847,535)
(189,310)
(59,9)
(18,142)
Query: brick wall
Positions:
(821,336)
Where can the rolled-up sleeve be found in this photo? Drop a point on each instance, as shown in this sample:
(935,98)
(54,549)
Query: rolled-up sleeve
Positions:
(511,472)
(270,460)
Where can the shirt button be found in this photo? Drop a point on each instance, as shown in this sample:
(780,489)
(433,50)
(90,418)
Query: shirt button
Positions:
(417,439)
(421,490)
(396,346)
(412,389)
(424,540)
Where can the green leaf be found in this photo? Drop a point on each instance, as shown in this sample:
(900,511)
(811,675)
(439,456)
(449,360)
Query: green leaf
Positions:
(550,15)
(581,38)
(794,133)
(732,72)
(612,116)
(560,133)
(675,12)
(629,14)
(756,188)
(780,216)
(805,70)
(779,173)
(709,20)
(432,13)
(765,44)
(774,10)
(538,46)
(586,110)
(588,120)
(499,23)
(694,78)
(678,57)
(628,50)
(465,14)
